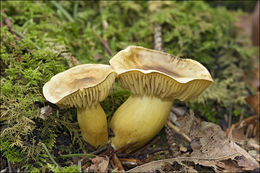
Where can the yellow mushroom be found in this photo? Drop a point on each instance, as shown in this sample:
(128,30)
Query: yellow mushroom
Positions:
(83,87)
(155,79)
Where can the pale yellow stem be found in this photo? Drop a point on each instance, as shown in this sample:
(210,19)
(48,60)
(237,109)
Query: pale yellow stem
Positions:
(138,120)
(93,125)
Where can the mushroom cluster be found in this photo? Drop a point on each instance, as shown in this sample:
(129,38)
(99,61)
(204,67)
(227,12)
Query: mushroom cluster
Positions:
(154,78)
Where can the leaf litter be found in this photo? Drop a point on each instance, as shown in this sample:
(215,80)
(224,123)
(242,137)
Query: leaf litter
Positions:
(211,151)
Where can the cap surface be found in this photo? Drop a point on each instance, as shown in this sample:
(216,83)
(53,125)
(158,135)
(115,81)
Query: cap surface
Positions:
(80,86)
(146,71)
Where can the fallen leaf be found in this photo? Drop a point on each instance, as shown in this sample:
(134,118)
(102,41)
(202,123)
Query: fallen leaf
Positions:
(45,111)
(99,164)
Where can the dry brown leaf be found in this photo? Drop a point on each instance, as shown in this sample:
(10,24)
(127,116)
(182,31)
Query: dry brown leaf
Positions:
(245,129)
(212,148)
(99,164)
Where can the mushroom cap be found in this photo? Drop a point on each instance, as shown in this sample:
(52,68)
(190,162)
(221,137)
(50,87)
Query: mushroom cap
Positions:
(151,72)
(81,86)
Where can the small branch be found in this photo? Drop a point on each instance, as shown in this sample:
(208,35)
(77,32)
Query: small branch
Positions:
(98,151)
(18,35)
(105,44)
(177,130)
(156,150)
(230,117)
(65,13)
(122,149)
(155,6)
(117,163)
(72,61)
(10,167)
(131,161)
(139,151)
(48,153)
(157,36)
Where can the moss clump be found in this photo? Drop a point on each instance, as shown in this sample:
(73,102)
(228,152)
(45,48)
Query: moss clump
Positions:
(24,70)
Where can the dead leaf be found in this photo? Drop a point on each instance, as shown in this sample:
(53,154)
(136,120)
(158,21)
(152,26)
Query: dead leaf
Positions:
(251,161)
(45,111)
(99,164)
(229,166)
(211,148)
(247,128)
(180,164)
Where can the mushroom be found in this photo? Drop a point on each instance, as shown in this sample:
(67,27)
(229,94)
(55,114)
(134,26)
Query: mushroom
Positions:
(155,79)
(83,87)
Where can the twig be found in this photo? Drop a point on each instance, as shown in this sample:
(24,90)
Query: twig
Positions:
(10,27)
(98,151)
(131,161)
(103,42)
(157,36)
(154,6)
(156,150)
(230,117)
(66,14)
(72,59)
(48,153)
(79,155)
(156,139)
(177,130)
(18,35)
(122,149)
(10,167)
(3,170)
(117,163)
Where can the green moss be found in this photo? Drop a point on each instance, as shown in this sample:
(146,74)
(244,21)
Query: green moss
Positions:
(72,169)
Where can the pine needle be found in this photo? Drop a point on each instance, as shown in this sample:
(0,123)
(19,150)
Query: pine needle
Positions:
(79,155)
(52,159)
(64,12)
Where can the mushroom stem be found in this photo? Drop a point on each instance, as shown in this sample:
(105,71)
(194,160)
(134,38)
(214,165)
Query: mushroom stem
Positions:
(93,125)
(138,120)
